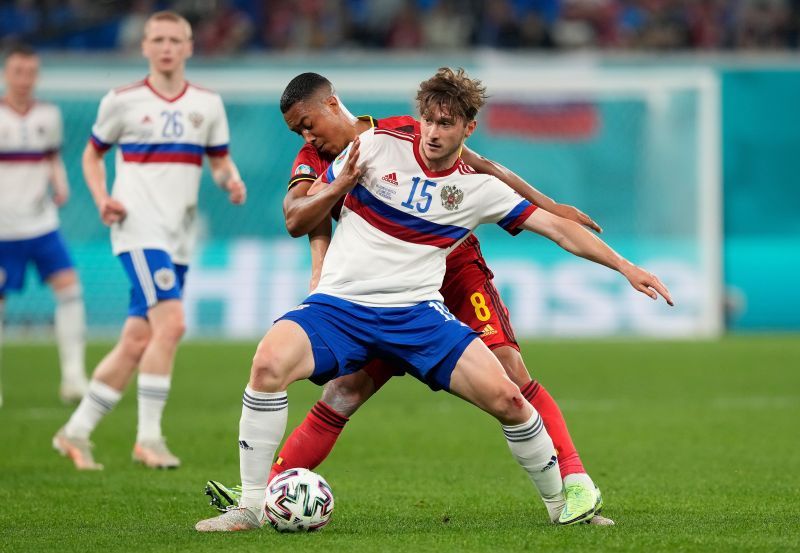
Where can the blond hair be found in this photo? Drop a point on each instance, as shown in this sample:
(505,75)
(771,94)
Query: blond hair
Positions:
(167,15)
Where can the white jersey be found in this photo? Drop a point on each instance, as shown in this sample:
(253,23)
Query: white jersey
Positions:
(402,220)
(160,147)
(27,143)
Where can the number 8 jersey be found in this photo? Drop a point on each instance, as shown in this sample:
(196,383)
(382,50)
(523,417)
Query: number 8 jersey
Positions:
(160,147)
(401,221)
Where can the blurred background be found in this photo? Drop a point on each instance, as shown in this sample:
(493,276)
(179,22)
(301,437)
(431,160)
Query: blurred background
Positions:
(674,123)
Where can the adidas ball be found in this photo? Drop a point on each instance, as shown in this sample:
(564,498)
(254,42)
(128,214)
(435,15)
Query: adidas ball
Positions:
(299,500)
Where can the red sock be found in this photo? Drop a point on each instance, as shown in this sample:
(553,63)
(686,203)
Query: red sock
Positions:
(568,460)
(311,442)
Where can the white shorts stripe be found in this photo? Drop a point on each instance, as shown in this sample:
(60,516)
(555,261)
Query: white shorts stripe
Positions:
(144,276)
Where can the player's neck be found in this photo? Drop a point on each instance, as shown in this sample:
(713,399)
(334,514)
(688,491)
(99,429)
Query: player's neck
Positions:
(168,85)
(20,104)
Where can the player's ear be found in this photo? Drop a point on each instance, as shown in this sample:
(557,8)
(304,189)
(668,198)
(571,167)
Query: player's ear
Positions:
(471,126)
(333,103)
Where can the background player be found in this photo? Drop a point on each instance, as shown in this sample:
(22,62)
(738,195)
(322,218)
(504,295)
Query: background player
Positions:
(312,110)
(378,290)
(162,126)
(30,163)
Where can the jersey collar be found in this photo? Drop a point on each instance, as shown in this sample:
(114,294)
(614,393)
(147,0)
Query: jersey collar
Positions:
(157,93)
(428,172)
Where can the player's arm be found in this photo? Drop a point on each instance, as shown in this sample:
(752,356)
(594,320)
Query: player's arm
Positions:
(303,213)
(226,175)
(518,185)
(58,179)
(319,240)
(94,172)
(577,240)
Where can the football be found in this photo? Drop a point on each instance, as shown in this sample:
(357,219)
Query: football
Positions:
(299,500)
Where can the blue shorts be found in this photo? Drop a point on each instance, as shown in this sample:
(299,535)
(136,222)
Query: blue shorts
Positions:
(425,340)
(48,252)
(154,278)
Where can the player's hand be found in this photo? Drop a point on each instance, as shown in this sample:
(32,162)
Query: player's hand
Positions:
(348,178)
(111,211)
(646,283)
(60,196)
(237,191)
(574,214)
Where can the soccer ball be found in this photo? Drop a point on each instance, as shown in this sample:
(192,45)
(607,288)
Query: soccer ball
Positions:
(299,500)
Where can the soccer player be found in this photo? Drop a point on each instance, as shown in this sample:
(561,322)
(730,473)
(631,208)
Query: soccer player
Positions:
(312,110)
(378,291)
(30,163)
(162,126)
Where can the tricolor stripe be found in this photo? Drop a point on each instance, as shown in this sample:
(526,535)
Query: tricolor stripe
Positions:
(162,153)
(396,134)
(517,216)
(217,151)
(399,224)
(99,144)
(25,157)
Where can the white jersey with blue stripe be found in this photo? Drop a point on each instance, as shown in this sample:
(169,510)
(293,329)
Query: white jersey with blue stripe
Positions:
(160,147)
(401,221)
(27,142)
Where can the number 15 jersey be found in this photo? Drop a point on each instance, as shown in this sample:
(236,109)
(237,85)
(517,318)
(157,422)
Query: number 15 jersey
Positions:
(401,221)
(161,142)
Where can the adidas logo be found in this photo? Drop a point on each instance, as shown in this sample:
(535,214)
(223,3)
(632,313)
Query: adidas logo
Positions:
(391,178)
(245,446)
(146,120)
(551,463)
(489,330)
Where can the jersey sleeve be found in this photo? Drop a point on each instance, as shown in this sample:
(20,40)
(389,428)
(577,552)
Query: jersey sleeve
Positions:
(337,166)
(503,206)
(56,138)
(218,132)
(107,127)
(307,166)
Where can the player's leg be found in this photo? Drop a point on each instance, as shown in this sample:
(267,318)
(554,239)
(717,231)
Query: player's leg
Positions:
(55,266)
(167,327)
(479,378)
(161,283)
(284,355)
(109,380)
(2,320)
(70,323)
(312,441)
(14,256)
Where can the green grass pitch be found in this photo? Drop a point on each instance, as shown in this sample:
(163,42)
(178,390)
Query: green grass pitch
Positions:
(695,445)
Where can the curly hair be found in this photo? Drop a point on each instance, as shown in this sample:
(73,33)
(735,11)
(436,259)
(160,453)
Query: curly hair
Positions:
(454,92)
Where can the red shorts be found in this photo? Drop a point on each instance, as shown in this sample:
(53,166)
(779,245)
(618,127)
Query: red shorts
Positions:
(470,295)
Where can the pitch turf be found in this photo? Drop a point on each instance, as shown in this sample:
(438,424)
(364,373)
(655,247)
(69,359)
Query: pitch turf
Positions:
(695,446)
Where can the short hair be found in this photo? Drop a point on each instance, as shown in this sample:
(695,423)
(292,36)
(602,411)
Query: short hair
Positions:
(24,50)
(167,15)
(454,92)
(301,88)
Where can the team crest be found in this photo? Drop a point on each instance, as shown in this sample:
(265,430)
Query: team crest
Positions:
(303,169)
(164,278)
(451,197)
(196,119)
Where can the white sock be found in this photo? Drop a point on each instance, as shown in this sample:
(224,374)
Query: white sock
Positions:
(71,334)
(98,401)
(261,428)
(579,478)
(533,449)
(153,390)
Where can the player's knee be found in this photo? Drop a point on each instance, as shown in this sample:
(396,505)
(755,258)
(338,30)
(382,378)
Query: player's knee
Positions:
(133,344)
(507,404)
(171,328)
(268,371)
